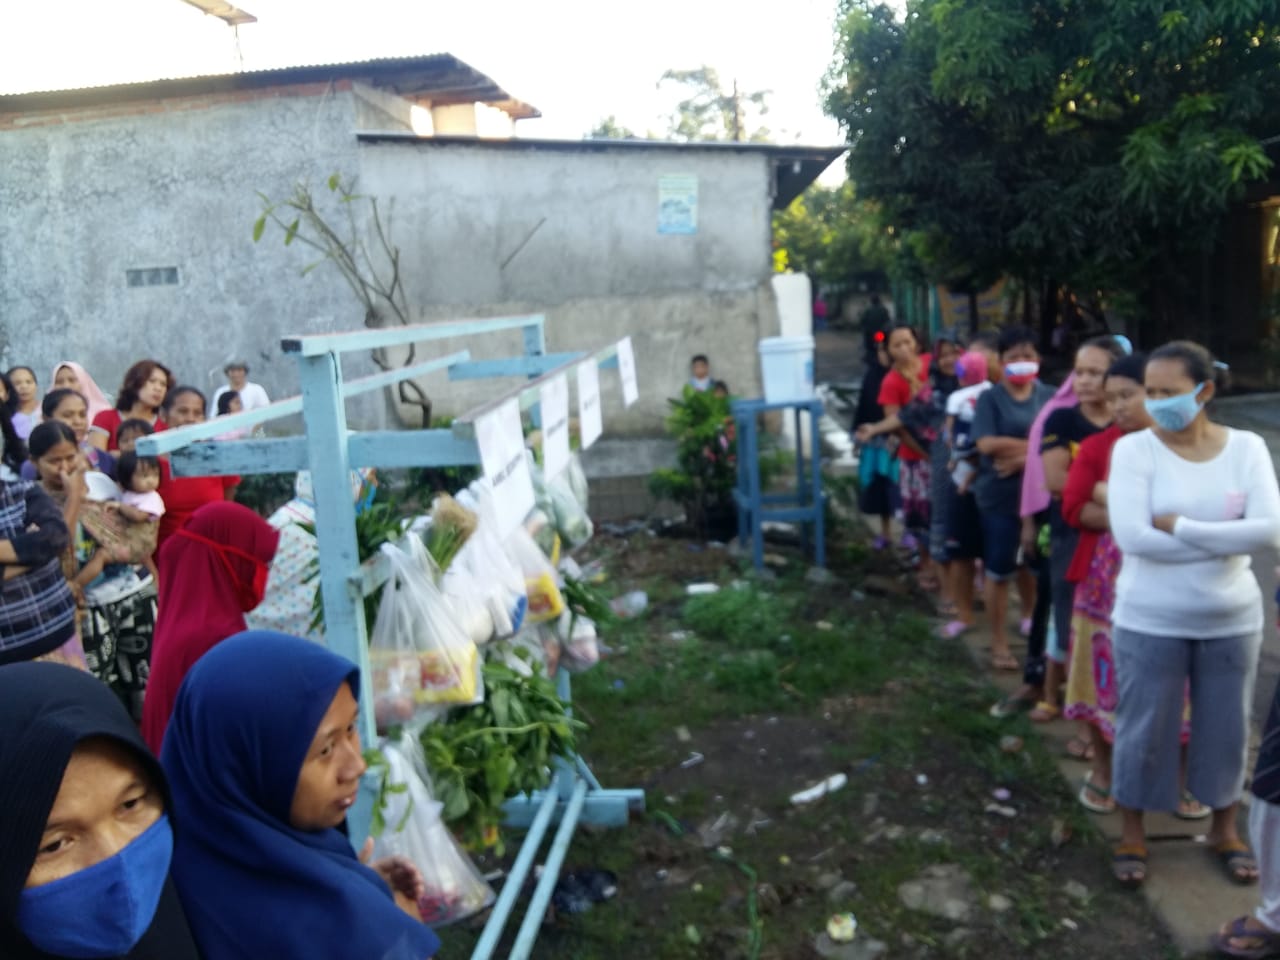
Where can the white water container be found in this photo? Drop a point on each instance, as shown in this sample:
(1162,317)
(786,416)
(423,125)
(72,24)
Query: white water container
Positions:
(787,365)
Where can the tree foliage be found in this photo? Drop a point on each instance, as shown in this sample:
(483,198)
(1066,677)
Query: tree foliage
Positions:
(1095,141)
(711,112)
(831,234)
(610,129)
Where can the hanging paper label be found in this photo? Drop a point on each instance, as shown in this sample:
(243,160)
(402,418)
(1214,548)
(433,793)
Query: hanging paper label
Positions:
(627,367)
(554,400)
(590,419)
(501,441)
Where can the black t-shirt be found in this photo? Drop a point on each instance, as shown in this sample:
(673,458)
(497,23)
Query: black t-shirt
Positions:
(1065,428)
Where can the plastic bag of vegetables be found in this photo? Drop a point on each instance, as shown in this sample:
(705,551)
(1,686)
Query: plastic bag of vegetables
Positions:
(419,655)
(412,828)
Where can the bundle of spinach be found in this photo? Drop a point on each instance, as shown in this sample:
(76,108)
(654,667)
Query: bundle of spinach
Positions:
(379,524)
(584,600)
(378,767)
(481,756)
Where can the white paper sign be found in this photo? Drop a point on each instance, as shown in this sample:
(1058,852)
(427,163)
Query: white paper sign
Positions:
(627,367)
(501,442)
(554,401)
(590,419)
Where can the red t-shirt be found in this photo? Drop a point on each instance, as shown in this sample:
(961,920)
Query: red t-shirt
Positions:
(108,421)
(1090,468)
(183,496)
(895,391)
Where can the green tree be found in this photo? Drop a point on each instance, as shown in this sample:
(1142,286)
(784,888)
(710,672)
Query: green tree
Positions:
(831,234)
(1096,142)
(610,129)
(710,112)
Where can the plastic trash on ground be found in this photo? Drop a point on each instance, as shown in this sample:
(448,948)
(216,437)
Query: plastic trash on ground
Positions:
(630,604)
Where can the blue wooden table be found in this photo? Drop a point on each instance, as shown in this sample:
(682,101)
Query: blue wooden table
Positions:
(805,504)
(330,451)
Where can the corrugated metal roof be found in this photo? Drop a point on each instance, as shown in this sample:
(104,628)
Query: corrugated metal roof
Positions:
(438,77)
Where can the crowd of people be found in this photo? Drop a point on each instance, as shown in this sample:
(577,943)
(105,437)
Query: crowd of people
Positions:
(176,776)
(1124,518)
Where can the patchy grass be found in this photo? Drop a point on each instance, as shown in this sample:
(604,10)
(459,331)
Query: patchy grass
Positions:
(722,865)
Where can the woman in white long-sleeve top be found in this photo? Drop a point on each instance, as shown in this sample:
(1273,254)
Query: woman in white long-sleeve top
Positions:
(1189,500)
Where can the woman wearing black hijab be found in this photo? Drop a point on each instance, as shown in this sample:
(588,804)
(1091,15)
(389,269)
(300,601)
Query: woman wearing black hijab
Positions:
(85,841)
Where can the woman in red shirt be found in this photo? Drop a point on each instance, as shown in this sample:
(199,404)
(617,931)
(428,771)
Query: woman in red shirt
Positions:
(906,383)
(141,397)
(183,496)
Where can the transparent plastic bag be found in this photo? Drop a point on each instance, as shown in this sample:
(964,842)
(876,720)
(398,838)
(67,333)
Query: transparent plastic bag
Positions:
(576,477)
(579,646)
(454,887)
(485,557)
(419,655)
(540,581)
(572,523)
(472,601)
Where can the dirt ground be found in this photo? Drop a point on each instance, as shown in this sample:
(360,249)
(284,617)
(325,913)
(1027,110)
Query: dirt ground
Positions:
(784,683)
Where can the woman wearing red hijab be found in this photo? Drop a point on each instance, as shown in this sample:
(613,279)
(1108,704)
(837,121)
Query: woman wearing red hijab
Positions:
(212,572)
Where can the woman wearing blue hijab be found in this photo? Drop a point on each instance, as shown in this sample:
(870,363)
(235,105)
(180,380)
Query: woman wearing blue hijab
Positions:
(263,759)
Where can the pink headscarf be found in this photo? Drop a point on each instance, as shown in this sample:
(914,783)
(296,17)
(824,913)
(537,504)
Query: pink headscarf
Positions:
(1035,495)
(971,368)
(93,394)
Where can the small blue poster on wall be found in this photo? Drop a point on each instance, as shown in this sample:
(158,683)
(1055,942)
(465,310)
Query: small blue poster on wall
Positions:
(678,203)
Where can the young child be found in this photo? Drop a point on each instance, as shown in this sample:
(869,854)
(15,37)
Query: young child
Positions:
(700,373)
(127,434)
(229,403)
(973,371)
(964,529)
(140,503)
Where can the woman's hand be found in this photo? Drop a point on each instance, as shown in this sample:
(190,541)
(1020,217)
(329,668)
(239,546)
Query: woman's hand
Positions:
(399,873)
(1027,539)
(865,432)
(405,881)
(1165,522)
(1006,464)
(1100,493)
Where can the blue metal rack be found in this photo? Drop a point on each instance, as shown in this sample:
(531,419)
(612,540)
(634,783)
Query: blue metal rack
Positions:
(805,504)
(329,452)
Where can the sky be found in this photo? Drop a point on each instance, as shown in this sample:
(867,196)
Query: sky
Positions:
(575,60)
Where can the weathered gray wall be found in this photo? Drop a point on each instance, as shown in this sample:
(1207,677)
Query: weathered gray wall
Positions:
(82,202)
(484,231)
(488,230)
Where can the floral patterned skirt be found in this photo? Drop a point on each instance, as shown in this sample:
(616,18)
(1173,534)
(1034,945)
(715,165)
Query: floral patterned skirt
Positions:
(1092,691)
(913,487)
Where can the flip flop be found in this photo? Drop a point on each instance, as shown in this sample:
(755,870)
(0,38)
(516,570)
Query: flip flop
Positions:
(1129,866)
(1088,791)
(1078,748)
(1045,712)
(1195,810)
(1236,857)
(1009,707)
(1005,662)
(953,629)
(1266,942)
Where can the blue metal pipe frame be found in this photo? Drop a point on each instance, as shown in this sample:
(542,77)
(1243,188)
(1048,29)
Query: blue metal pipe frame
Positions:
(330,451)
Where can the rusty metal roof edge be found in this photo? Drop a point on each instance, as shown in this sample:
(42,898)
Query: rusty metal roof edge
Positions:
(220,82)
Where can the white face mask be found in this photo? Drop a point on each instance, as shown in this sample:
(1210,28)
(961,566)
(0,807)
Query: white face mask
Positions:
(703,383)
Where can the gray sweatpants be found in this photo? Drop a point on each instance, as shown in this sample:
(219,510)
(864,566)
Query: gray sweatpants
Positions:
(1152,675)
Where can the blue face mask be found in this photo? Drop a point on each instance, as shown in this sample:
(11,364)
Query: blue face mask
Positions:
(1175,414)
(104,910)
